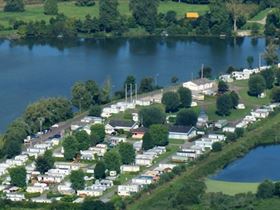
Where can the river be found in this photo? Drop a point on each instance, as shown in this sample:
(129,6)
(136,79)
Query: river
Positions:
(259,164)
(30,70)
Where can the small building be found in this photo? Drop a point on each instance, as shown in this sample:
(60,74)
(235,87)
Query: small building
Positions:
(182,132)
(226,78)
(15,196)
(229,129)
(90,192)
(216,136)
(65,189)
(239,75)
(115,140)
(192,15)
(127,190)
(138,133)
(240,106)
(115,125)
(221,123)
(41,200)
(260,113)
(144,160)
(199,85)
(37,188)
(129,168)
(87,155)
(202,119)
(142,180)
(138,145)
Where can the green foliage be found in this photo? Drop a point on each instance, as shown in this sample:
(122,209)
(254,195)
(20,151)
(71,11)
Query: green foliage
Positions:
(275,94)
(234,98)
(231,137)
(222,87)
(224,105)
(185,96)
(18,176)
(95,111)
(239,132)
(97,133)
(217,147)
(146,85)
(99,170)
(83,139)
(77,180)
(85,3)
(256,85)
(144,13)
(147,141)
(159,134)
(269,77)
(45,162)
(266,190)
(271,55)
(207,72)
(14,6)
(93,204)
(108,14)
(71,147)
(51,110)
(152,115)
(127,153)
(186,117)
(171,101)
(272,23)
(50,7)
(174,79)
(250,61)
(112,160)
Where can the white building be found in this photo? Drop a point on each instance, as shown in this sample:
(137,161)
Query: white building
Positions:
(229,129)
(260,113)
(127,190)
(65,189)
(142,180)
(144,160)
(37,188)
(129,168)
(87,154)
(182,132)
(90,192)
(15,196)
(200,85)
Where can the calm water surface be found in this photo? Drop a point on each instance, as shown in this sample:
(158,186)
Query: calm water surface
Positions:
(30,70)
(259,164)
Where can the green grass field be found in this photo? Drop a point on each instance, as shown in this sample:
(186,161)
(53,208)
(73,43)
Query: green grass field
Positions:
(35,12)
(230,188)
(261,15)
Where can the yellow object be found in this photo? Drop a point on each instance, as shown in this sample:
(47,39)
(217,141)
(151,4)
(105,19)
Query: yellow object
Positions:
(192,15)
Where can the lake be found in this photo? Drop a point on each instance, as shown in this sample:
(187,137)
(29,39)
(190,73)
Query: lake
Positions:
(30,70)
(259,164)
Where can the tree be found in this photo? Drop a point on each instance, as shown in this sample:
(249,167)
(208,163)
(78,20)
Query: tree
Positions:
(256,85)
(277,75)
(269,77)
(95,111)
(185,96)
(45,162)
(130,80)
(93,204)
(92,87)
(224,105)
(147,141)
(77,180)
(271,55)
(217,147)
(50,7)
(159,134)
(144,13)
(250,61)
(275,95)
(83,139)
(98,131)
(71,147)
(84,3)
(174,79)
(234,99)
(206,72)
(222,87)
(277,189)
(236,9)
(265,190)
(112,160)
(146,85)
(186,117)
(171,101)
(14,6)
(18,176)
(231,137)
(108,14)
(127,153)
(80,96)
(99,170)
(152,115)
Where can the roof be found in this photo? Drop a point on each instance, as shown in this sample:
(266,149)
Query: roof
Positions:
(140,130)
(201,81)
(192,15)
(121,123)
(180,129)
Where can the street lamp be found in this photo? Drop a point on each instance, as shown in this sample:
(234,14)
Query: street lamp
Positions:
(156,79)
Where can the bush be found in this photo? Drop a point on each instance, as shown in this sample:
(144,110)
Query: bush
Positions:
(85,3)
(217,147)
(95,111)
(265,190)
(256,85)
(186,117)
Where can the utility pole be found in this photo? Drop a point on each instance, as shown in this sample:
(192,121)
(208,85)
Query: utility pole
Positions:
(202,69)
(260,61)
(135,92)
(125,93)
(130,93)
(41,121)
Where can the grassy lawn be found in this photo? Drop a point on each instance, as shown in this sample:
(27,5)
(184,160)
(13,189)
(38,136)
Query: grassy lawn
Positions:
(261,15)
(35,12)
(176,141)
(271,204)
(249,101)
(230,188)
